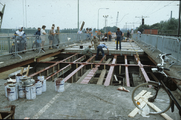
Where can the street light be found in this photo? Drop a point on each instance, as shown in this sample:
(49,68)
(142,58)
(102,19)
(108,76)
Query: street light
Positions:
(98,17)
(105,16)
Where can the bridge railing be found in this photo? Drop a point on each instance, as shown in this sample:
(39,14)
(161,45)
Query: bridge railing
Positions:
(7,44)
(165,44)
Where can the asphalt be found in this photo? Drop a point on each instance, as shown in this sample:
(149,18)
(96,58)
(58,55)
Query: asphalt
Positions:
(78,101)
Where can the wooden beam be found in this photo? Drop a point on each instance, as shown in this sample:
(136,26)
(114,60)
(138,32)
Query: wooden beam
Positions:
(110,73)
(101,77)
(126,72)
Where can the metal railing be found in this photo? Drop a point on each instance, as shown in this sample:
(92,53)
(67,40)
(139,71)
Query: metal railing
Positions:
(165,44)
(7,43)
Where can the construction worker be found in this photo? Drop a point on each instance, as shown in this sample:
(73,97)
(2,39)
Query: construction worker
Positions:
(99,34)
(20,37)
(96,42)
(88,52)
(100,48)
(37,41)
(109,35)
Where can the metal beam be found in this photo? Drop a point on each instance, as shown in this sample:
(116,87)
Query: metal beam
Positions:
(126,71)
(47,56)
(65,69)
(51,66)
(76,70)
(91,74)
(134,65)
(6,68)
(142,69)
(110,73)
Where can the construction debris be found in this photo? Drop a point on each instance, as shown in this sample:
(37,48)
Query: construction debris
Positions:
(123,89)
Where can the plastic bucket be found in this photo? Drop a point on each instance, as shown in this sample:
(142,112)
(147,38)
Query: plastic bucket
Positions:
(38,87)
(44,86)
(59,85)
(11,92)
(5,88)
(17,87)
(21,92)
(18,78)
(42,78)
(31,92)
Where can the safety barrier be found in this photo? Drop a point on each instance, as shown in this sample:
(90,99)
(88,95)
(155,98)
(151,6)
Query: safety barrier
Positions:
(9,45)
(165,44)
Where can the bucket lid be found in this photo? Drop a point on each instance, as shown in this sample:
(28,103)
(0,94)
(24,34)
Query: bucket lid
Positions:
(28,82)
(25,78)
(11,80)
(11,85)
(19,74)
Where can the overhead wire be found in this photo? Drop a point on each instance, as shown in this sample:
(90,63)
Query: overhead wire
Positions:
(161,7)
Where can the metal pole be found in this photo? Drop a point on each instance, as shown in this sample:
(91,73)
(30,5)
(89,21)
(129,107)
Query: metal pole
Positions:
(179,19)
(98,17)
(78,14)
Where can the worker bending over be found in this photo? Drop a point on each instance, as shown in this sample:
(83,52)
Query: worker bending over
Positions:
(88,52)
(96,42)
(100,48)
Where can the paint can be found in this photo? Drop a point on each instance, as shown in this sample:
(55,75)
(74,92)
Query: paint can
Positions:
(38,87)
(18,78)
(11,92)
(31,92)
(42,78)
(12,83)
(44,86)
(17,87)
(59,85)
(21,91)
(5,88)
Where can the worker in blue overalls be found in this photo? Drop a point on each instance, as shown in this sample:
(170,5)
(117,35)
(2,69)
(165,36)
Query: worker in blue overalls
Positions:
(100,48)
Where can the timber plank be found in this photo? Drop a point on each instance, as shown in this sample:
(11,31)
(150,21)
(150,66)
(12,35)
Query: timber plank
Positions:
(101,78)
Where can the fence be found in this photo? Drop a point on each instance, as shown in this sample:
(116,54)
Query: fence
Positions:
(165,44)
(7,43)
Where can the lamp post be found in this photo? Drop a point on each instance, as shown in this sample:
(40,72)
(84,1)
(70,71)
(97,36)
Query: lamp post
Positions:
(98,17)
(105,16)
(78,14)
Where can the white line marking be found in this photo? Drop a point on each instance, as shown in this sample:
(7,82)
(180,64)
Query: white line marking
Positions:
(48,105)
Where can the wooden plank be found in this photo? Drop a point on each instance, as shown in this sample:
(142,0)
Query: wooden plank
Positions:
(101,78)
(110,73)
(1,117)
(108,61)
(142,104)
(157,109)
(140,94)
(82,77)
(120,69)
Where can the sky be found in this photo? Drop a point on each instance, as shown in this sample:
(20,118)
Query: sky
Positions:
(64,13)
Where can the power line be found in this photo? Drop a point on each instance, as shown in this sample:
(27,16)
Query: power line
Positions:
(162,7)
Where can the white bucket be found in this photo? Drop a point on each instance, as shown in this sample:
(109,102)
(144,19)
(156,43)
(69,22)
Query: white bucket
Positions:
(22,92)
(38,88)
(59,85)
(30,92)
(5,88)
(11,92)
(44,86)
(17,87)
(42,79)
(18,79)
